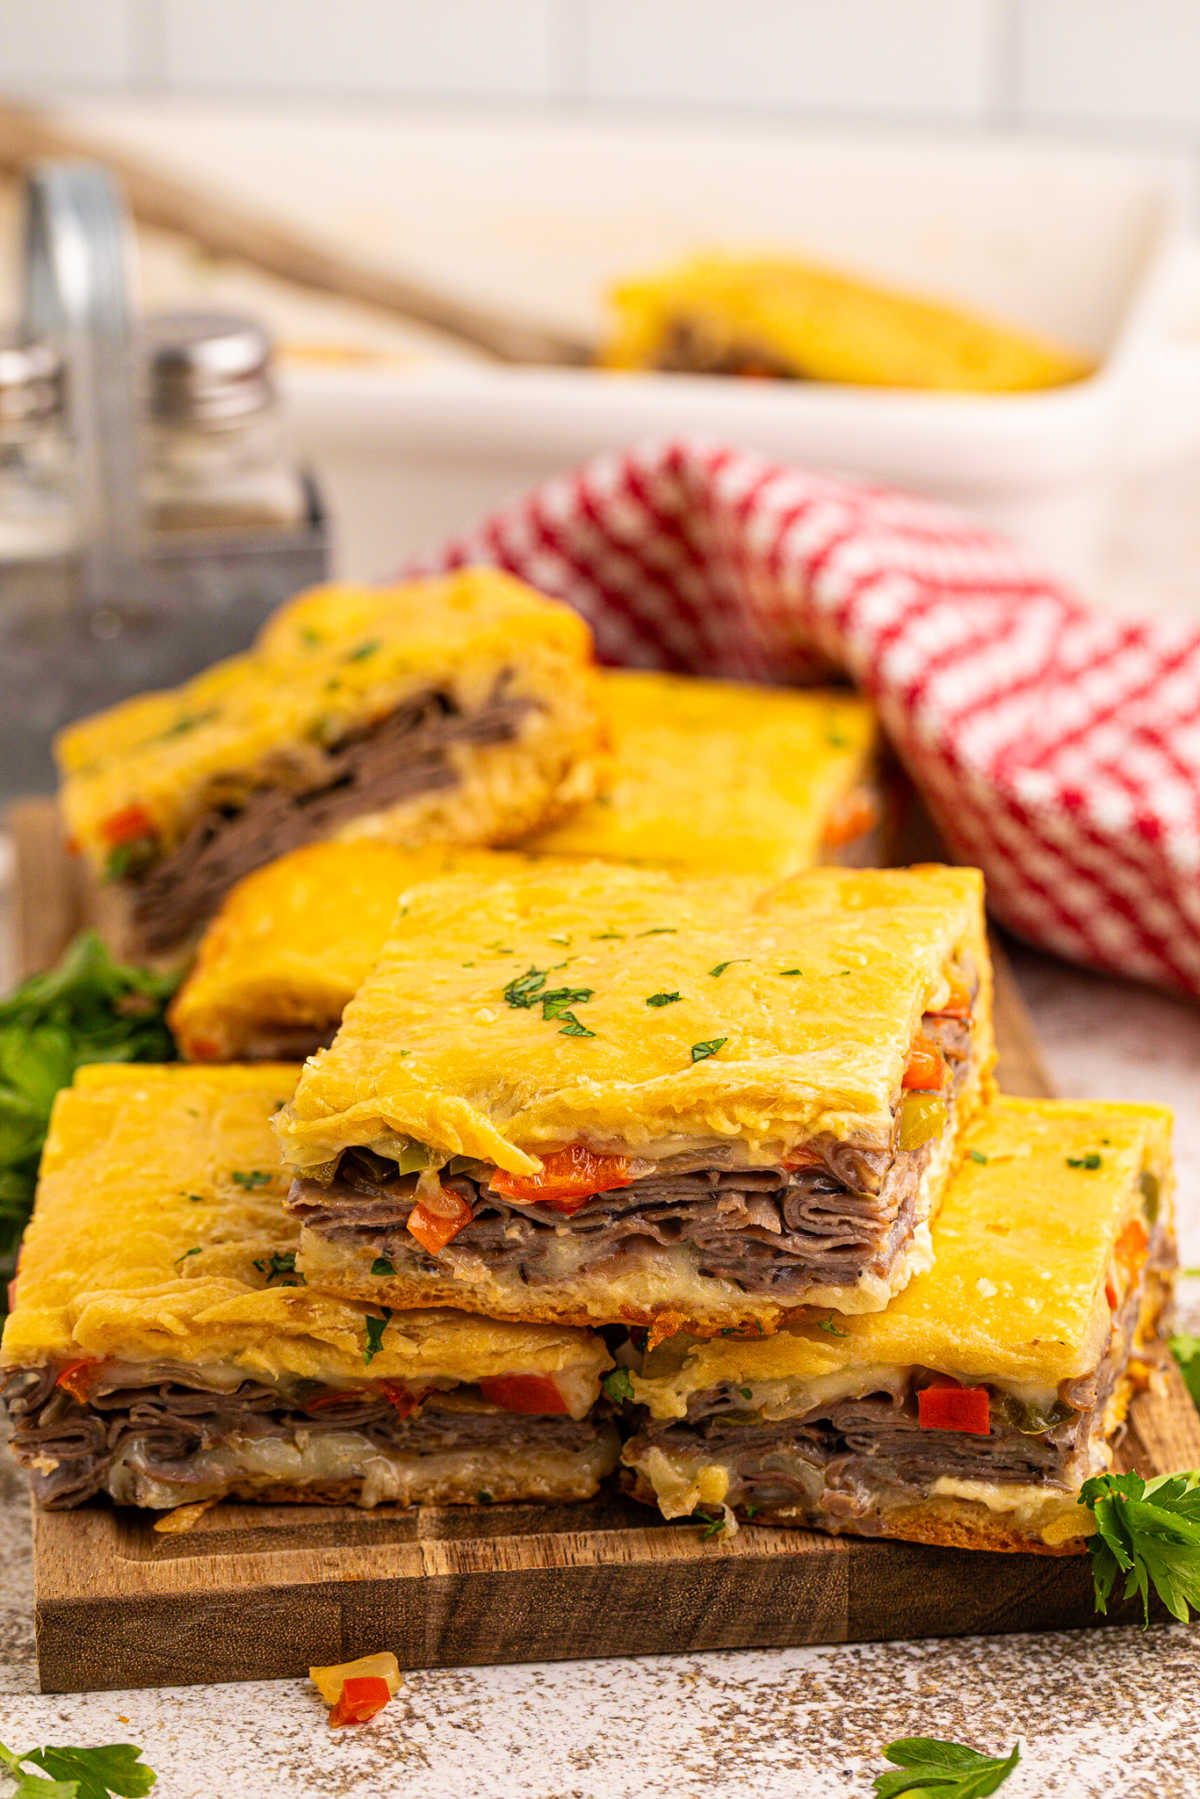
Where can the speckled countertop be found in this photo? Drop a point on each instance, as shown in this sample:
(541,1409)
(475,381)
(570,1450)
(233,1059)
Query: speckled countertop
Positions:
(1103,1712)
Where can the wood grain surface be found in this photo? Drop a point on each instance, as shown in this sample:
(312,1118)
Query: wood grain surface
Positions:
(261,1591)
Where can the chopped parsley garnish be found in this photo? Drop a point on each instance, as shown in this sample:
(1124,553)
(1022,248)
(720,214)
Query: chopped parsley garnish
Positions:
(660,930)
(249,1178)
(711,1527)
(529,990)
(835,740)
(483,1497)
(663,999)
(556,1002)
(310,638)
(193,1251)
(702,1051)
(1091,1160)
(722,966)
(791,971)
(830,1328)
(564,941)
(604,936)
(976,1155)
(375,1330)
(125,858)
(930,1768)
(188,721)
(746,1392)
(381,1265)
(363,650)
(751,1511)
(197,1199)
(618,1385)
(524,990)
(279,1263)
(77,1773)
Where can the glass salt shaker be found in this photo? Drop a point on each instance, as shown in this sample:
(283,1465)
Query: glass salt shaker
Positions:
(37,501)
(215,459)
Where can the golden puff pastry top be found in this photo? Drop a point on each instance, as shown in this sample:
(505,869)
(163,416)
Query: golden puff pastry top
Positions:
(159,1210)
(827,325)
(718,774)
(1021,1252)
(333,660)
(294,940)
(714,1009)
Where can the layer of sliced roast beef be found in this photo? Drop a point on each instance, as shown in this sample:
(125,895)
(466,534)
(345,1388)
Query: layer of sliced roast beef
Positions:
(768,1230)
(158,1428)
(843,1459)
(311,794)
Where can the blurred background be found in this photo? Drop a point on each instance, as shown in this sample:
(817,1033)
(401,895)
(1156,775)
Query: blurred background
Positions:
(1109,68)
(338,179)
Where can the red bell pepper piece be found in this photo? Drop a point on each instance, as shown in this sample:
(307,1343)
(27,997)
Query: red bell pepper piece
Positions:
(362,1696)
(127,825)
(1129,1252)
(955,1408)
(404,1399)
(77,1377)
(523,1393)
(852,817)
(958,1000)
(435,1224)
(925,1071)
(568,1179)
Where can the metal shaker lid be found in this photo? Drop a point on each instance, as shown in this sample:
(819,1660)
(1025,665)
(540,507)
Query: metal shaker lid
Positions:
(31,379)
(206,367)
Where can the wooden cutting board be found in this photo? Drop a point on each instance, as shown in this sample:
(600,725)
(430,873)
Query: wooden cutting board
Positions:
(259,1591)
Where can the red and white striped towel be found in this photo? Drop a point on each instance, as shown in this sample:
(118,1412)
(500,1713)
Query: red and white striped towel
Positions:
(1058,748)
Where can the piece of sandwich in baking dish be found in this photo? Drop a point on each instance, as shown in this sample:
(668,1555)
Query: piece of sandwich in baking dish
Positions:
(970,1412)
(778,317)
(606,1094)
(162,1348)
(728,777)
(456,709)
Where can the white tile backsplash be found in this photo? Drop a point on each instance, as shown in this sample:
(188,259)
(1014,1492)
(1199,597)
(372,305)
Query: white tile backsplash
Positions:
(436,47)
(894,57)
(68,43)
(1131,62)
(1095,65)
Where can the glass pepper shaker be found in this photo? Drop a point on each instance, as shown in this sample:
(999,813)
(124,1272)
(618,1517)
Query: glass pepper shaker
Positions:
(215,455)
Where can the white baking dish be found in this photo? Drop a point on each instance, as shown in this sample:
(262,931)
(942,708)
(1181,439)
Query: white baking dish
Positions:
(544,213)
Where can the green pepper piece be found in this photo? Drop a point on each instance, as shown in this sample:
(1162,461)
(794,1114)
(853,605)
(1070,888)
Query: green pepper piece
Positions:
(922,1119)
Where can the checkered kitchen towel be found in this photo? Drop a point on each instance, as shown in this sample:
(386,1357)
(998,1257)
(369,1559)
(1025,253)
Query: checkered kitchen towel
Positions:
(1057,748)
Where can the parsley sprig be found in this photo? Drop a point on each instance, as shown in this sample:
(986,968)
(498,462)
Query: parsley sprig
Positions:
(1186,1350)
(86,1009)
(100,1773)
(1147,1532)
(932,1767)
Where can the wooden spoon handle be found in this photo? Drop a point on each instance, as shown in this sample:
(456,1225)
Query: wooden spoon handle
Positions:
(226,228)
